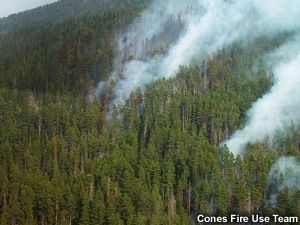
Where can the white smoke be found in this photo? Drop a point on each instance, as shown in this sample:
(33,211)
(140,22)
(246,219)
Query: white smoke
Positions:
(285,172)
(280,107)
(141,69)
(208,26)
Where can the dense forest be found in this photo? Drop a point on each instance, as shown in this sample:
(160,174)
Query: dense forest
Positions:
(64,9)
(66,159)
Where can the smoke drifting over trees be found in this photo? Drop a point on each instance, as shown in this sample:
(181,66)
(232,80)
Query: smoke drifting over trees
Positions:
(285,172)
(279,108)
(161,158)
(206,27)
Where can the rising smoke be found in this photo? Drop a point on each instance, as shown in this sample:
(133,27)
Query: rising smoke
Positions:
(279,108)
(206,26)
(202,27)
(276,111)
(285,172)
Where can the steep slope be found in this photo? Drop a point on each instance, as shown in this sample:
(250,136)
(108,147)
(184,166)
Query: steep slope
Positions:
(68,157)
(65,57)
(62,10)
(157,162)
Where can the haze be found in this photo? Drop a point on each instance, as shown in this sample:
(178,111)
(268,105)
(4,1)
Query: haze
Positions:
(15,6)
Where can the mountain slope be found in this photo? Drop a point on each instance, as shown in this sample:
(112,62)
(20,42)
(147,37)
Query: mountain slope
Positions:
(62,10)
(61,57)
(68,157)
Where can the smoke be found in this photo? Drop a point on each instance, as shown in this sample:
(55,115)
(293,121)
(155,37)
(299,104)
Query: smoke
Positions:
(157,27)
(276,111)
(15,6)
(198,28)
(171,33)
(280,107)
(285,172)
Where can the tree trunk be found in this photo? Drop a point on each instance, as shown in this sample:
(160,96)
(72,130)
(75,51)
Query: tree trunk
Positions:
(55,148)
(145,129)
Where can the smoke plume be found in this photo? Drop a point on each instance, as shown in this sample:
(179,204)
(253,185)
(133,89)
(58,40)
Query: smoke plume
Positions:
(285,172)
(171,33)
(279,108)
(199,28)
(182,32)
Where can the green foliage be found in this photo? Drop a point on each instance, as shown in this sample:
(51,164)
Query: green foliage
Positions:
(62,10)
(155,160)
(68,57)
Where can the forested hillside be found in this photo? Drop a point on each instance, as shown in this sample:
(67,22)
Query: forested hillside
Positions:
(66,159)
(67,57)
(63,9)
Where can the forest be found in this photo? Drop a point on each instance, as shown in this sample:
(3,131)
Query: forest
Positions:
(68,156)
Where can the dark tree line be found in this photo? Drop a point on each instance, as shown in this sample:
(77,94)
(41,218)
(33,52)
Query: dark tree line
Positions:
(62,10)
